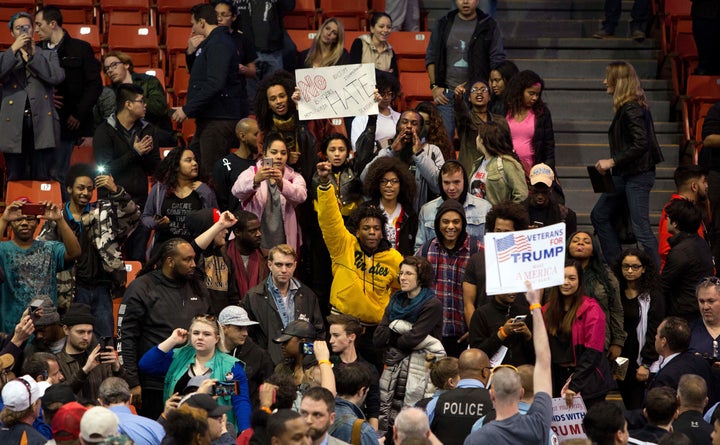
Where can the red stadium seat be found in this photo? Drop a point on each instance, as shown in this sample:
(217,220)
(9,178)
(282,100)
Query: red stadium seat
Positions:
(302,38)
(140,42)
(89,33)
(351,13)
(414,89)
(176,41)
(125,12)
(410,49)
(304,16)
(350,37)
(77,11)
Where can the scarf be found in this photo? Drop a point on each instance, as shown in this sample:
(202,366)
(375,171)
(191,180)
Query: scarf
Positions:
(403,308)
(288,129)
(245,278)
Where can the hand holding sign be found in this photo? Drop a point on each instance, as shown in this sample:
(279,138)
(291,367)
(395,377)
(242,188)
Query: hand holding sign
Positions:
(336,91)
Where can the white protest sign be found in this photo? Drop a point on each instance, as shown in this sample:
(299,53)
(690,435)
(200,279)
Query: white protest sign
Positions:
(567,422)
(535,255)
(336,91)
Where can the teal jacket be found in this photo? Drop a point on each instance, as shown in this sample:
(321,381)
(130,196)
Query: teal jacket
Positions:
(176,362)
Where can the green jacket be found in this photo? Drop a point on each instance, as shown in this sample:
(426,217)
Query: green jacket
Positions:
(505,179)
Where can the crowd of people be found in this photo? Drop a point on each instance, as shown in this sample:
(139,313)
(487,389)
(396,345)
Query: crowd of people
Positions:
(325,281)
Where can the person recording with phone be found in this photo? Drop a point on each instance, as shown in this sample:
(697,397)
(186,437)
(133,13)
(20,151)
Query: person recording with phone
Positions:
(86,361)
(502,326)
(101,228)
(30,264)
(307,360)
(200,357)
(29,122)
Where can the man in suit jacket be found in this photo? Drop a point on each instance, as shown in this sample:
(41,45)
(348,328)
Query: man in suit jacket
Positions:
(318,409)
(671,343)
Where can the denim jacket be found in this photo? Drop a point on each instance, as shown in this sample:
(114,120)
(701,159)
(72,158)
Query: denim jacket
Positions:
(346,413)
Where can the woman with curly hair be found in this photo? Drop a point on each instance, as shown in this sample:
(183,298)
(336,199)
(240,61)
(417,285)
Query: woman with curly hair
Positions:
(374,47)
(327,48)
(600,284)
(643,310)
(530,121)
(276,110)
(497,173)
(499,79)
(177,193)
(434,131)
(391,188)
(409,333)
(468,121)
(634,151)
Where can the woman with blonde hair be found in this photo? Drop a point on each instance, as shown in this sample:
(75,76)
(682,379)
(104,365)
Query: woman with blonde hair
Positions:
(328,46)
(201,356)
(634,152)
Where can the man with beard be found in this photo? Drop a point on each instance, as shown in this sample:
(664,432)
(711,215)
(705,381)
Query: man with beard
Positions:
(453,184)
(227,169)
(449,253)
(31,265)
(542,207)
(245,254)
(166,294)
(692,184)
(318,409)
(423,159)
(84,362)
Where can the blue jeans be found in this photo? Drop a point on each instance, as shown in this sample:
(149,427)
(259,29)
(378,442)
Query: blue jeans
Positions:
(640,15)
(636,190)
(267,63)
(100,302)
(448,113)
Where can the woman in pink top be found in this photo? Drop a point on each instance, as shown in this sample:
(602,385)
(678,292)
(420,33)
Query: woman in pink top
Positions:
(530,121)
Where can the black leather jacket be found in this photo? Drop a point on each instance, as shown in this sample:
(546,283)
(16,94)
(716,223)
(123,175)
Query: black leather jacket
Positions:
(632,140)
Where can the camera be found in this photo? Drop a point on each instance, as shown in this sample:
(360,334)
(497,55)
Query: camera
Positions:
(35,306)
(227,388)
(308,349)
(101,169)
(24,29)
(107,344)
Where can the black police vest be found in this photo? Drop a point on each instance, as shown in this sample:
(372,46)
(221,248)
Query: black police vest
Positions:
(456,412)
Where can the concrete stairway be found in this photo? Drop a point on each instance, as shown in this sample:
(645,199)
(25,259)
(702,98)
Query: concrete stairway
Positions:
(554,38)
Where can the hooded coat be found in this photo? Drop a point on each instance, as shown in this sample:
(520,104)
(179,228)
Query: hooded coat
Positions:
(449,266)
(475,210)
(362,283)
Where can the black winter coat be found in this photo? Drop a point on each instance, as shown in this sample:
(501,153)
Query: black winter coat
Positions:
(632,140)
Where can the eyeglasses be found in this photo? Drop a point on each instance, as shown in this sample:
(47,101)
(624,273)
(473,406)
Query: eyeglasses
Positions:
(142,101)
(393,181)
(112,66)
(633,267)
(715,281)
(479,90)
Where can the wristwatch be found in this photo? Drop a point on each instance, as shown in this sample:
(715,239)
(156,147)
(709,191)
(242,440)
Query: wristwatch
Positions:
(433,85)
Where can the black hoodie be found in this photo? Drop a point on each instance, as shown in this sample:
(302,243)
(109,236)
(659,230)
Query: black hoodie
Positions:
(463,195)
(450,205)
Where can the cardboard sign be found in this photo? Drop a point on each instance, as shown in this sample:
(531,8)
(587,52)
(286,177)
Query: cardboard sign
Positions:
(535,255)
(336,91)
(567,421)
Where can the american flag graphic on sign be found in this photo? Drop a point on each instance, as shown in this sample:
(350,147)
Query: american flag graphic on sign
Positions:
(511,244)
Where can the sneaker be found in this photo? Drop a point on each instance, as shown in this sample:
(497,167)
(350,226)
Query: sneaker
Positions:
(602,34)
(638,35)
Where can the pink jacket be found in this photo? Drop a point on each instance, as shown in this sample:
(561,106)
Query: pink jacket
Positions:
(294,192)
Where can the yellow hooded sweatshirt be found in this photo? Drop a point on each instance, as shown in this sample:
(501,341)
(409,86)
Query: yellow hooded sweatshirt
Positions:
(362,284)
